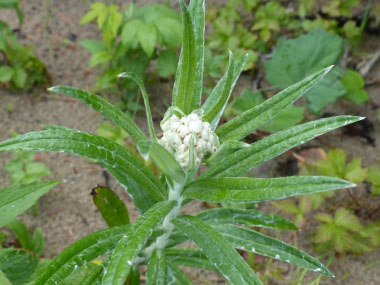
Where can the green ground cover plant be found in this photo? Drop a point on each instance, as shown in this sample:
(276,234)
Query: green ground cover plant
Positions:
(132,38)
(19,67)
(191,138)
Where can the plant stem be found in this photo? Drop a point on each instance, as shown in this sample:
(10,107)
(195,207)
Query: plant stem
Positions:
(175,192)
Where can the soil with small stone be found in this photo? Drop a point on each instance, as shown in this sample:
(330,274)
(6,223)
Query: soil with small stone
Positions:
(67,212)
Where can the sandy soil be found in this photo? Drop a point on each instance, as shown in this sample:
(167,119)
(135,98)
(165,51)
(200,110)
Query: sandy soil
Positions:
(67,212)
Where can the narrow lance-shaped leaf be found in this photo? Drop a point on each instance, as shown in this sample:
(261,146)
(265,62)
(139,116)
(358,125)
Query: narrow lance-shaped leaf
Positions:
(156,272)
(162,158)
(218,251)
(249,240)
(221,87)
(197,13)
(100,105)
(185,76)
(177,276)
(132,243)
(213,112)
(113,210)
(247,158)
(242,125)
(249,218)
(140,83)
(141,184)
(188,257)
(81,252)
(253,190)
(16,199)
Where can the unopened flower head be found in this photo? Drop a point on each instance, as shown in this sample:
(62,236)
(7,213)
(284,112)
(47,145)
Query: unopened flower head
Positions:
(177,136)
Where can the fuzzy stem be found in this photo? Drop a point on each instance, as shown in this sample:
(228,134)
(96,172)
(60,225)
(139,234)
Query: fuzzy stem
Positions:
(161,241)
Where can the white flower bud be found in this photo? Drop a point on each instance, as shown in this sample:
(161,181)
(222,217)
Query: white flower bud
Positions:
(177,134)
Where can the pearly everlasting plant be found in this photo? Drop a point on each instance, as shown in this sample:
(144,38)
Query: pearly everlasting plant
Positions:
(191,137)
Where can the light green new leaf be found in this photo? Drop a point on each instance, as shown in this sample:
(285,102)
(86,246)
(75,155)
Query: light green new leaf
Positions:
(147,35)
(156,272)
(183,91)
(140,83)
(250,120)
(132,243)
(6,73)
(222,91)
(3,279)
(113,210)
(100,105)
(80,253)
(162,158)
(249,240)
(250,218)
(16,199)
(247,158)
(176,276)
(126,167)
(218,251)
(188,257)
(17,264)
(252,190)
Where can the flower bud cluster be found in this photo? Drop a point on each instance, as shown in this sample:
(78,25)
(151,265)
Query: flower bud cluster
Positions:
(177,134)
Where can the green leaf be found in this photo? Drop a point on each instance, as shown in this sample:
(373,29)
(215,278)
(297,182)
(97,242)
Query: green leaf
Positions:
(88,17)
(129,32)
(156,272)
(19,77)
(17,265)
(16,199)
(218,251)
(188,258)
(148,113)
(294,59)
(81,275)
(247,100)
(112,132)
(252,119)
(93,46)
(354,172)
(170,30)
(353,82)
(147,36)
(374,177)
(34,244)
(176,276)
(6,73)
(252,190)
(167,63)
(80,253)
(140,182)
(162,158)
(100,105)
(218,108)
(132,243)
(113,210)
(3,279)
(325,92)
(183,91)
(345,219)
(291,116)
(222,91)
(197,12)
(253,241)
(247,158)
(250,218)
